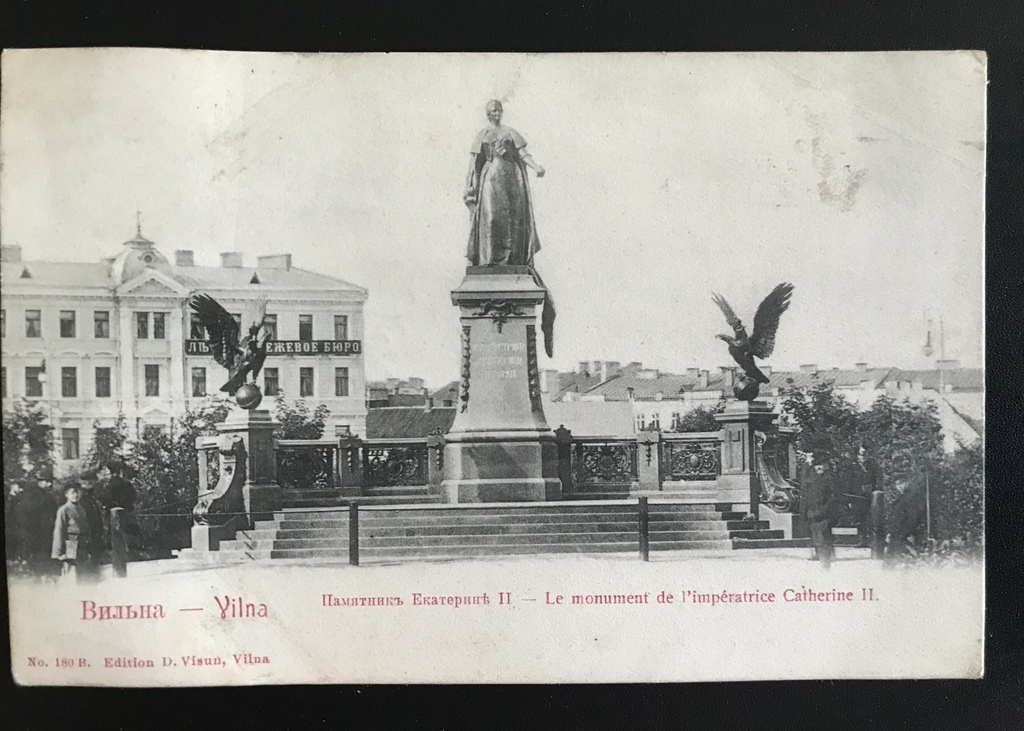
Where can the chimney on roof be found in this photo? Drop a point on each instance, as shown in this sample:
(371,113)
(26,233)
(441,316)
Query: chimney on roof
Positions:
(809,368)
(184,258)
(613,368)
(10,254)
(659,396)
(231,260)
(947,365)
(702,379)
(727,376)
(766,369)
(548,381)
(693,372)
(862,367)
(630,393)
(277,261)
(428,403)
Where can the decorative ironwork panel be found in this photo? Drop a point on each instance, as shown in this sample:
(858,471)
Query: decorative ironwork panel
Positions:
(305,468)
(691,460)
(603,462)
(212,466)
(394,466)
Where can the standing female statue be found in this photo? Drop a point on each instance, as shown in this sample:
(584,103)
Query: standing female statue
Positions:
(498,194)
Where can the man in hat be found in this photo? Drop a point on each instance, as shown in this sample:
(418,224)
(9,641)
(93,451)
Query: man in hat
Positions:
(864,479)
(72,535)
(905,514)
(817,497)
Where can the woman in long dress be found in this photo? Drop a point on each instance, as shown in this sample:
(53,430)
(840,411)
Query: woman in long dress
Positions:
(498,194)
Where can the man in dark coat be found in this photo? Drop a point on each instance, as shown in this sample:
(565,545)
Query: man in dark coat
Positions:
(817,501)
(864,479)
(906,513)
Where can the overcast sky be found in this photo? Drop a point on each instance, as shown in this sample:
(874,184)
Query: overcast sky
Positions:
(857,177)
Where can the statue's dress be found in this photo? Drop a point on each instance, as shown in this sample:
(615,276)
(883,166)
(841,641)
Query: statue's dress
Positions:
(503,230)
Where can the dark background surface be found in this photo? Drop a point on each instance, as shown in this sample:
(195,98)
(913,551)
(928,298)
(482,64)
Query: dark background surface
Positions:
(996,27)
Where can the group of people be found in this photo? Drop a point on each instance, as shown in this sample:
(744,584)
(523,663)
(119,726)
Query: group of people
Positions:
(69,539)
(827,493)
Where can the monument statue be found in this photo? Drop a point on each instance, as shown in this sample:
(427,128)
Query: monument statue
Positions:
(744,349)
(242,356)
(503,231)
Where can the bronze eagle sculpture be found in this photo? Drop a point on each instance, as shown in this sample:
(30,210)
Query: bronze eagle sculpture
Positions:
(243,356)
(744,348)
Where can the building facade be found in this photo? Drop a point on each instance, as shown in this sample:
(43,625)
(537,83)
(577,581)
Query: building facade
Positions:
(90,341)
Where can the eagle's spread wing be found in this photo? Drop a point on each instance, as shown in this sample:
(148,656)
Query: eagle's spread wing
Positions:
(221,329)
(766,321)
(730,316)
(254,315)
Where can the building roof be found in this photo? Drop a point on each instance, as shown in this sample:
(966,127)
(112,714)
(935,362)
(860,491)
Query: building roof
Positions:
(240,278)
(397,422)
(98,275)
(839,377)
(961,379)
(58,274)
(449,392)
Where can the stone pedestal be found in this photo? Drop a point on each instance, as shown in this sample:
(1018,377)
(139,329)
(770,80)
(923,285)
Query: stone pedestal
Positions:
(261,492)
(500,448)
(738,482)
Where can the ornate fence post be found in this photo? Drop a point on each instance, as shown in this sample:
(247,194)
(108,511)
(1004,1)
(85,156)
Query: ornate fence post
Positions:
(878,524)
(350,461)
(648,460)
(563,438)
(435,460)
(118,546)
(643,525)
(353,533)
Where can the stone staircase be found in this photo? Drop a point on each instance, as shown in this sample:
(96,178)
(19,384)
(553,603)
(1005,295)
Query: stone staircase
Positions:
(403,533)
(335,498)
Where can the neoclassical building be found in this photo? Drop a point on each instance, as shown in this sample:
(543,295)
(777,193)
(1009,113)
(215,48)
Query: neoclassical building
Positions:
(92,340)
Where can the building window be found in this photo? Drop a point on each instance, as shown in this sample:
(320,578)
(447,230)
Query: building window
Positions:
(195,328)
(341,327)
(101,324)
(270,326)
(341,381)
(198,381)
(33,324)
(655,424)
(305,327)
(305,381)
(677,420)
(69,382)
(159,325)
(142,325)
(342,430)
(69,443)
(271,382)
(67,323)
(33,385)
(102,382)
(152,380)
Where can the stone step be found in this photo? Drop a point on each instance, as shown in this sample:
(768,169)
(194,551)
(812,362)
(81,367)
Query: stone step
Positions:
(453,551)
(844,541)
(449,519)
(395,499)
(724,545)
(385,530)
(397,490)
(560,508)
(500,539)
(596,496)
(669,536)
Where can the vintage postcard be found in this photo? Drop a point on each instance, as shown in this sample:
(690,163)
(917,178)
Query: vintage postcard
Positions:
(423,368)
